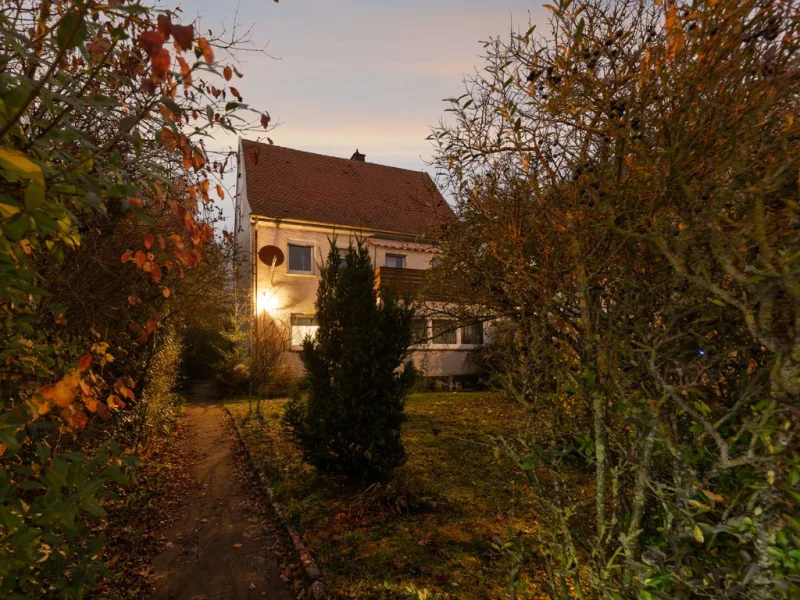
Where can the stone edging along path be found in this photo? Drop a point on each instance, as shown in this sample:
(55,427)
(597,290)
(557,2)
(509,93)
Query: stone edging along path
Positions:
(319,590)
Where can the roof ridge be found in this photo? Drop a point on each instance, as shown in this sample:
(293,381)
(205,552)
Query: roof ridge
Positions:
(349,161)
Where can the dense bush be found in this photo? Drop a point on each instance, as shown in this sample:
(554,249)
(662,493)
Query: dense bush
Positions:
(627,183)
(104,189)
(357,376)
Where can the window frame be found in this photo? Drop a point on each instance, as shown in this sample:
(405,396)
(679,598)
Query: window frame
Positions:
(299,244)
(393,255)
(472,344)
(455,332)
(426,339)
(292,325)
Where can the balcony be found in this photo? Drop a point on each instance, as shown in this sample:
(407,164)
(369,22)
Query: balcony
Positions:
(403,282)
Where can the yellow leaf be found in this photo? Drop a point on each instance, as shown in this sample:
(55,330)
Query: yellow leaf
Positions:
(698,534)
(18,163)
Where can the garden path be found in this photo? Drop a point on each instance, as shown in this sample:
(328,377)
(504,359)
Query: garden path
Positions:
(221,548)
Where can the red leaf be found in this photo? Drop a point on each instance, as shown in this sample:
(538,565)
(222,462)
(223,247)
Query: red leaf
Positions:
(84,362)
(127,255)
(184,36)
(149,240)
(151,42)
(227,72)
(164,26)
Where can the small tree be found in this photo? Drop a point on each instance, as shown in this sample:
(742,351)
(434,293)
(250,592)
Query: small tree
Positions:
(358,373)
(270,342)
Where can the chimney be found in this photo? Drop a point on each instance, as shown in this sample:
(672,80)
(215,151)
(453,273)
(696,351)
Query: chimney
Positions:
(358,156)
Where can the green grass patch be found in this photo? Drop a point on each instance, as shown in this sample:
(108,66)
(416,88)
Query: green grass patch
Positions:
(437,527)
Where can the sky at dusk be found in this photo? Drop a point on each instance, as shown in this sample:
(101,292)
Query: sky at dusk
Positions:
(366,74)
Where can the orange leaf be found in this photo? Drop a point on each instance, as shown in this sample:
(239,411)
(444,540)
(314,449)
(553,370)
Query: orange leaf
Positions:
(141,258)
(186,72)
(41,403)
(127,392)
(160,62)
(63,392)
(115,402)
(155,273)
(149,240)
(166,292)
(151,326)
(208,53)
(126,256)
(220,192)
(91,404)
(84,362)
(227,72)
(76,418)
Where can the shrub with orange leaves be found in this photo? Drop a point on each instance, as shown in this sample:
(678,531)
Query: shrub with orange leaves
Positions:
(103,108)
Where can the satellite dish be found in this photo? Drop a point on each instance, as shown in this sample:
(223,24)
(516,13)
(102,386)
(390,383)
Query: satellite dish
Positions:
(268,254)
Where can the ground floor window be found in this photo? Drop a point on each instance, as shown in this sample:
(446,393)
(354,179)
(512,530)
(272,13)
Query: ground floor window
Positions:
(302,326)
(472,334)
(444,331)
(419,331)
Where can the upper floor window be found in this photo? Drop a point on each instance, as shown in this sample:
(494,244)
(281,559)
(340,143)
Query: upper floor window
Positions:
(472,334)
(300,258)
(396,261)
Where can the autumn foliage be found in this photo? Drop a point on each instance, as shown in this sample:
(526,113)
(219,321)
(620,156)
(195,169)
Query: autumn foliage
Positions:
(106,194)
(627,182)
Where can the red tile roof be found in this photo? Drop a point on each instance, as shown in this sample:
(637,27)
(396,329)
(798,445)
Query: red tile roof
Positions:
(290,184)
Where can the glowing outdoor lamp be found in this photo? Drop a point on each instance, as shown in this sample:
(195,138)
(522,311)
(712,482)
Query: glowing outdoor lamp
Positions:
(267,302)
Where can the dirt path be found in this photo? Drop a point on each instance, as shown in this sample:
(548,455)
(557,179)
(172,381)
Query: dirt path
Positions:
(220,548)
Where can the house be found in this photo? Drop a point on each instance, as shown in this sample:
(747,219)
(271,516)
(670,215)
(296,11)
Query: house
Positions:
(290,204)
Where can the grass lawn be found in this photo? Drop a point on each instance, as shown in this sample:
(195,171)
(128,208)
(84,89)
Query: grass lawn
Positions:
(437,528)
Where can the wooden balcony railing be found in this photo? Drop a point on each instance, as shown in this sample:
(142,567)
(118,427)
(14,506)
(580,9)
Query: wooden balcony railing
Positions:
(410,283)
(403,282)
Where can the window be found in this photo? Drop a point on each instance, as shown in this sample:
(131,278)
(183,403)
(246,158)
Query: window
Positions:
(396,261)
(419,331)
(302,326)
(444,332)
(299,258)
(472,334)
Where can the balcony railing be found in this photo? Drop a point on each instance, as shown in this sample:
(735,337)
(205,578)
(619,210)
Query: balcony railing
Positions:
(403,282)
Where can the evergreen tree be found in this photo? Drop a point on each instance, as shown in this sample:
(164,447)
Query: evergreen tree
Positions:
(358,372)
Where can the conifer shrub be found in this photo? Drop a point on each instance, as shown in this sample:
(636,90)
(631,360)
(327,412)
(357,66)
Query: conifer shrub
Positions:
(358,373)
